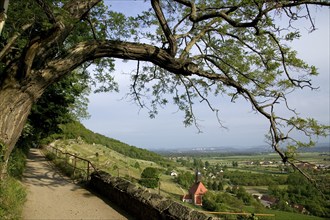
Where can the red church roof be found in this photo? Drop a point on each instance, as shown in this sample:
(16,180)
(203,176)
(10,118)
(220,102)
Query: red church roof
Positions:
(197,189)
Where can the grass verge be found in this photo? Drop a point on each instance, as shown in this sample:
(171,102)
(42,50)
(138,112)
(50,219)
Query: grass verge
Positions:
(12,198)
(12,192)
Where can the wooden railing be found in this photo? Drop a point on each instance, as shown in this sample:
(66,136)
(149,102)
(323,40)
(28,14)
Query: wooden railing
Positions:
(82,168)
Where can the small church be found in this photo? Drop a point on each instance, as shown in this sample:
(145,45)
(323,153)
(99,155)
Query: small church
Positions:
(196,191)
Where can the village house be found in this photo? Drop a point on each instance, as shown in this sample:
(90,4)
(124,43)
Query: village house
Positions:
(307,166)
(268,201)
(174,173)
(299,208)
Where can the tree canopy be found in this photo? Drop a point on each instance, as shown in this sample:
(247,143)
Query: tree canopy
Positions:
(188,49)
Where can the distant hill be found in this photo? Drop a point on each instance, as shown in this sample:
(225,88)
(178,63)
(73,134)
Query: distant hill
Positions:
(321,147)
(75,129)
(214,150)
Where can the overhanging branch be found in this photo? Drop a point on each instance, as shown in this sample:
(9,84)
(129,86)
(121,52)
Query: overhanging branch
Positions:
(166,29)
(48,11)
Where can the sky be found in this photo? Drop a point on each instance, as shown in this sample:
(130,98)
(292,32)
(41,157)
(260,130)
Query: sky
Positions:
(116,117)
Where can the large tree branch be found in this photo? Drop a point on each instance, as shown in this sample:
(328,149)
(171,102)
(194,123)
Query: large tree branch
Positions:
(192,6)
(48,11)
(85,51)
(43,49)
(6,49)
(166,29)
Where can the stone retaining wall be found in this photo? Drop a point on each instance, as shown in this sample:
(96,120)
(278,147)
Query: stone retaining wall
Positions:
(140,202)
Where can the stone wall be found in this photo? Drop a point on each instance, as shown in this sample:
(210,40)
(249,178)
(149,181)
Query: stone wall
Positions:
(139,202)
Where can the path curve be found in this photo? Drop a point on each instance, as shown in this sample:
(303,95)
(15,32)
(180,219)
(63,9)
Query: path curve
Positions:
(52,196)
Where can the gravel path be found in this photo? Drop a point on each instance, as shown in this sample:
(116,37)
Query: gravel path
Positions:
(52,196)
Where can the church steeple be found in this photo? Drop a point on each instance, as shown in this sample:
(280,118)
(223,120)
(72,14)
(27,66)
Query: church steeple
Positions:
(198,176)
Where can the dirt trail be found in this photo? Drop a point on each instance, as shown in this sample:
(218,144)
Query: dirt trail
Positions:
(52,196)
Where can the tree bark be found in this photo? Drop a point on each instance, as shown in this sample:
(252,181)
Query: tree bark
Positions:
(25,79)
(15,104)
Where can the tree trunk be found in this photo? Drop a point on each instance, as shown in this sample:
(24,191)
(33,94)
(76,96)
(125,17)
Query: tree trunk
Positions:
(15,105)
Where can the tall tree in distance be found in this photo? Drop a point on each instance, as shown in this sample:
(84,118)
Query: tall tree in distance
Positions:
(150,177)
(193,49)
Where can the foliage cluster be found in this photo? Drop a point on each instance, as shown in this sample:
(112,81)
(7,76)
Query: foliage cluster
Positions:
(302,192)
(235,164)
(185,179)
(150,177)
(214,185)
(17,162)
(242,194)
(221,202)
(234,200)
(253,179)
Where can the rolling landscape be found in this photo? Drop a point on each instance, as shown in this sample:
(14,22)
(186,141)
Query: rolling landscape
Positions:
(250,179)
(241,72)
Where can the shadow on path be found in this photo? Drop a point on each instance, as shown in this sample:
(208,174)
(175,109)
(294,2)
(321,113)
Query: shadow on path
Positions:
(53,196)
(39,172)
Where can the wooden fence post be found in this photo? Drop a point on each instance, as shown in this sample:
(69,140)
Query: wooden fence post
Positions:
(66,159)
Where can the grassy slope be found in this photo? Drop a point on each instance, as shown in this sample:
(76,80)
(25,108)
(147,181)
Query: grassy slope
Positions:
(117,164)
(76,129)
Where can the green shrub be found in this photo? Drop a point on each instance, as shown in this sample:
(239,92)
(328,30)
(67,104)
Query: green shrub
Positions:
(50,156)
(150,177)
(12,198)
(17,163)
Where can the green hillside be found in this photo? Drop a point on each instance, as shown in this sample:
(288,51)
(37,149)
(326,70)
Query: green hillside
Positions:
(76,129)
(117,164)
